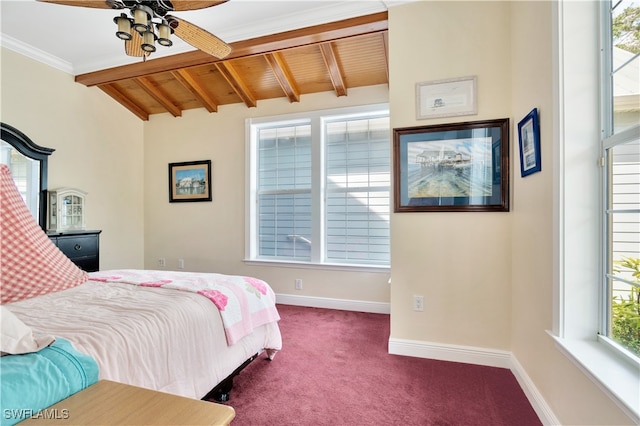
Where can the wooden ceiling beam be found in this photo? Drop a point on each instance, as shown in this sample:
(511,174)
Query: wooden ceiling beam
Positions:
(116,94)
(235,81)
(346,28)
(192,85)
(385,41)
(329,56)
(147,85)
(283,75)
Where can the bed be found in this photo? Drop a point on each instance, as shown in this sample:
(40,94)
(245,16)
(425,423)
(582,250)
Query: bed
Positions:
(178,332)
(153,337)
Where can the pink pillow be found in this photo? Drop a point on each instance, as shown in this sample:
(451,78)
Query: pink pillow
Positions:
(30,264)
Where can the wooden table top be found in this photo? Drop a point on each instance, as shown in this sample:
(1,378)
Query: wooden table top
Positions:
(112,403)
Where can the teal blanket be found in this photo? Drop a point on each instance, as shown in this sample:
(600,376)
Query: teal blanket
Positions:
(34,381)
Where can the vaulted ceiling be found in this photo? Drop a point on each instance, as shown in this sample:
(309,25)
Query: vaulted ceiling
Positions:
(333,57)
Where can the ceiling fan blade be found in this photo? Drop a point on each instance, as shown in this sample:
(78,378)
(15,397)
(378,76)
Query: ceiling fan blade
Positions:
(98,4)
(199,38)
(133,47)
(179,5)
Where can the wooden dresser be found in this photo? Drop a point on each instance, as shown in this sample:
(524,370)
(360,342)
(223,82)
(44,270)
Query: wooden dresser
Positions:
(82,247)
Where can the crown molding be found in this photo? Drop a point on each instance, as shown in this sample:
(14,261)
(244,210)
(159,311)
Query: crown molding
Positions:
(35,54)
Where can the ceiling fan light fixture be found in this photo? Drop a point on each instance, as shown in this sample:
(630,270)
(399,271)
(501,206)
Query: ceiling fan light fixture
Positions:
(164,34)
(148,41)
(124,27)
(148,22)
(141,19)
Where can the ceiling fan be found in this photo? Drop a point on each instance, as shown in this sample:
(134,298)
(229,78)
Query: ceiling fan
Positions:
(150,22)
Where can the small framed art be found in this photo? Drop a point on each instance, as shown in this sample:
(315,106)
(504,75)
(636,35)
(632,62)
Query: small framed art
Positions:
(190,181)
(458,167)
(446,98)
(529,141)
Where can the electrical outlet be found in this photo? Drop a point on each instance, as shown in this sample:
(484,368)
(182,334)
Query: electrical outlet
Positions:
(162,262)
(418,303)
(298,284)
(180,263)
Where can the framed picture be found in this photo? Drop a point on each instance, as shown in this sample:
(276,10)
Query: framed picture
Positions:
(529,137)
(446,98)
(190,181)
(459,167)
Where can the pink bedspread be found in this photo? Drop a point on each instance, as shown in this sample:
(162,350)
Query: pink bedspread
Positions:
(244,303)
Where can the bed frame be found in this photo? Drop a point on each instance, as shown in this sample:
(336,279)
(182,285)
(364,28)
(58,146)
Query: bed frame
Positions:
(222,391)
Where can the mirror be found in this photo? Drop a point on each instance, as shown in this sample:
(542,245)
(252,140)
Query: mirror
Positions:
(28,164)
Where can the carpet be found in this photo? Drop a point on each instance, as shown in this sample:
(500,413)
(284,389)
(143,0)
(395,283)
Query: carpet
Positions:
(334,369)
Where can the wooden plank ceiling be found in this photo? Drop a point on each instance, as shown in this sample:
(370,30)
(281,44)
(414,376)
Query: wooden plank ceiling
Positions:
(330,57)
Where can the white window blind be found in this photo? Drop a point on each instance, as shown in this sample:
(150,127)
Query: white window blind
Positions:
(357,190)
(284,192)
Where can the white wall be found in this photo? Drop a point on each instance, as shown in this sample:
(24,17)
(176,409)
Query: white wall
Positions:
(460,262)
(210,236)
(98,148)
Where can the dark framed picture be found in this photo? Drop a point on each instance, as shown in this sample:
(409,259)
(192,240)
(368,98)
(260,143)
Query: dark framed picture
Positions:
(190,181)
(458,167)
(529,138)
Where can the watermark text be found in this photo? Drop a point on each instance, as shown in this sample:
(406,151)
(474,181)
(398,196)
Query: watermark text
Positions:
(28,413)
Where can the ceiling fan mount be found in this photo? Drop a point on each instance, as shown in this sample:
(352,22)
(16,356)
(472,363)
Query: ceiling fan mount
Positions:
(157,9)
(150,24)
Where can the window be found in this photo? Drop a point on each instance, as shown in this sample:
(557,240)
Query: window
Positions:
(319,187)
(582,304)
(621,146)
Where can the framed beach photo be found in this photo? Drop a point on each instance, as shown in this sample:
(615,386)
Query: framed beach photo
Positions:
(446,98)
(190,181)
(529,141)
(459,167)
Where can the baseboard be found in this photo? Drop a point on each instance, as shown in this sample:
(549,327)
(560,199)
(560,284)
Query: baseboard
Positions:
(478,356)
(454,353)
(536,400)
(329,303)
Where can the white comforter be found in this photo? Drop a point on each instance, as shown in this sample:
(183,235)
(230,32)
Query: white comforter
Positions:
(168,340)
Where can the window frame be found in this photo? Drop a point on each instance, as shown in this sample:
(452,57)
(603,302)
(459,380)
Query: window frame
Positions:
(579,238)
(610,139)
(318,119)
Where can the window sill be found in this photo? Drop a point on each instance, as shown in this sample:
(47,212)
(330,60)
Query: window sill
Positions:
(328,266)
(614,374)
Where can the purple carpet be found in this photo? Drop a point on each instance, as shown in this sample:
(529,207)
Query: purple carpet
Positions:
(334,369)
